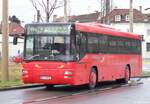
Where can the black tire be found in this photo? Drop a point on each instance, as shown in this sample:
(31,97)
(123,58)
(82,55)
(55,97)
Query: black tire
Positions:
(92,79)
(127,75)
(125,79)
(49,86)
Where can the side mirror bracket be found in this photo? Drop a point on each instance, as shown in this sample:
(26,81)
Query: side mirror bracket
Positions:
(15,40)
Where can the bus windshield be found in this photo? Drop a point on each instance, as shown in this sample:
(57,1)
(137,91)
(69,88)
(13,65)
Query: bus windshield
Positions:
(50,47)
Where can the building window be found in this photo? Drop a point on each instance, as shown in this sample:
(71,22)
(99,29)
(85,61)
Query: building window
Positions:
(148,32)
(148,47)
(127,18)
(117,18)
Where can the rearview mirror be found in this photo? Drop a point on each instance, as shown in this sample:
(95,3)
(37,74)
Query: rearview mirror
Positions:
(15,40)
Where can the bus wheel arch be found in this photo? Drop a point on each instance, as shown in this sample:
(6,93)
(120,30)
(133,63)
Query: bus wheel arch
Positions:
(129,67)
(96,69)
(93,77)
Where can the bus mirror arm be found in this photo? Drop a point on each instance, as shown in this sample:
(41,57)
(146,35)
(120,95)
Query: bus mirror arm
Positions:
(78,42)
(15,40)
(77,57)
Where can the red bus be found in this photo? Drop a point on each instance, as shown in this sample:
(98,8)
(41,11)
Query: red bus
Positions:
(79,53)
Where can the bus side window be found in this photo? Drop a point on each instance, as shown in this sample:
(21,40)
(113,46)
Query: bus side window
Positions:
(93,45)
(103,44)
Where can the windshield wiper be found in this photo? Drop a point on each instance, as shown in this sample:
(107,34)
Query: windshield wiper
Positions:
(34,56)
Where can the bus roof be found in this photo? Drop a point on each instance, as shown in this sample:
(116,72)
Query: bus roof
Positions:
(104,29)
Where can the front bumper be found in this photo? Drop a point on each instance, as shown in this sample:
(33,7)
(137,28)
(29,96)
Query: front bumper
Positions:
(49,77)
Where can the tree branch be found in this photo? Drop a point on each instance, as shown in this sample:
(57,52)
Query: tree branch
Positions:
(34,4)
(45,7)
(42,4)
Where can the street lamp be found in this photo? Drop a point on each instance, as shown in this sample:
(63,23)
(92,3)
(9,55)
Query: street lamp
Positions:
(131,15)
(65,11)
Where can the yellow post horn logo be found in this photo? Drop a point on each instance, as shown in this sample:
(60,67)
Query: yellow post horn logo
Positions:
(37,66)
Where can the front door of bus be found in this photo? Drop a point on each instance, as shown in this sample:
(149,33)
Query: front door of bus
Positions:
(81,51)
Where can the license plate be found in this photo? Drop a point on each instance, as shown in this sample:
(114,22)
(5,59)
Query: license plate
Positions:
(45,77)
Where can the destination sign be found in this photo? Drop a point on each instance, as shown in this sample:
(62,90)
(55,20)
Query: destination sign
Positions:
(48,29)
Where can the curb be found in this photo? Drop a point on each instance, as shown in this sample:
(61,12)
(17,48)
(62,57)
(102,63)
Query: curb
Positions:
(145,76)
(142,77)
(21,87)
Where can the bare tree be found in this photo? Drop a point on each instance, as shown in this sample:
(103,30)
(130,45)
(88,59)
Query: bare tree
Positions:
(100,10)
(48,6)
(147,8)
(105,8)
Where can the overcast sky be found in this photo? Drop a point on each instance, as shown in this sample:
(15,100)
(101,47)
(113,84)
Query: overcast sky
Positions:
(25,12)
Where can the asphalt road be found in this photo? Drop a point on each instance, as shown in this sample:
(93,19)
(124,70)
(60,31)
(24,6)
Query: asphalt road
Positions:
(29,95)
(138,94)
(32,95)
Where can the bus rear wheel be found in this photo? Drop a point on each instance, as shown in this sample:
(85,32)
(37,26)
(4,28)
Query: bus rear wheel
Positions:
(92,79)
(127,74)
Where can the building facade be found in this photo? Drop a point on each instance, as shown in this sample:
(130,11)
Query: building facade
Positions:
(119,18)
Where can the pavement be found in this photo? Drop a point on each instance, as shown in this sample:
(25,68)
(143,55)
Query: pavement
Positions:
(106,93)
(133,94)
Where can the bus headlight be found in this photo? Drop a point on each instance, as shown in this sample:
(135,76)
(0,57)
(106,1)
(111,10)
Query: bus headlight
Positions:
(24,72)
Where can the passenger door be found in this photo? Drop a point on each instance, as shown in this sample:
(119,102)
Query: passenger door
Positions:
(81,51)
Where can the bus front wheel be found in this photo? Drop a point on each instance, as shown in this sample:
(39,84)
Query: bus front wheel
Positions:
(49,86)
(92,79)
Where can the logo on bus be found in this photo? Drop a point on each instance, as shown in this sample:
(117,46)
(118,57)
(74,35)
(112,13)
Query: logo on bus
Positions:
(37,66)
